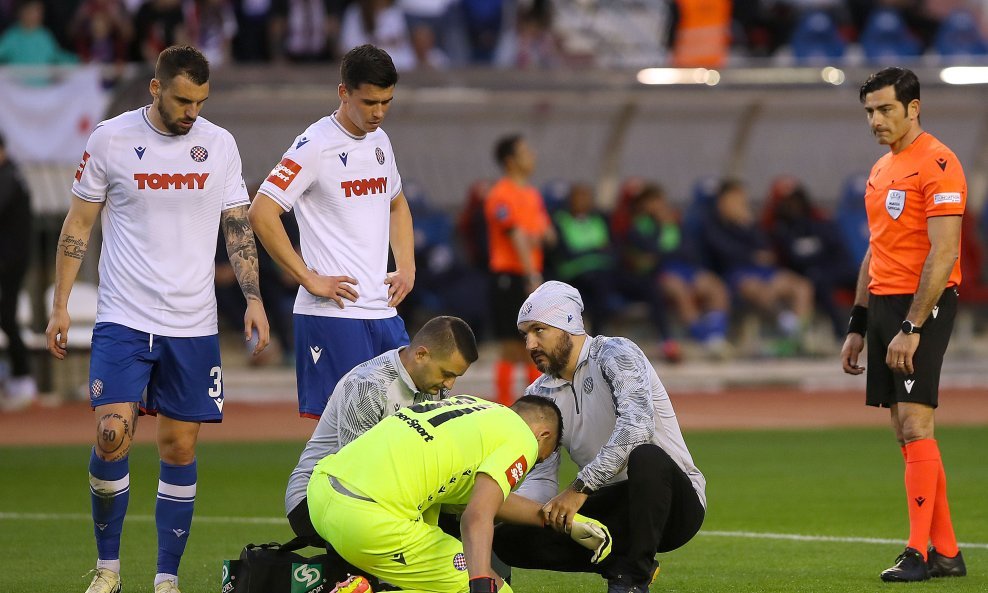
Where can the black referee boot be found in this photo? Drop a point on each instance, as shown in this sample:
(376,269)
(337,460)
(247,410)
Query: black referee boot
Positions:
(945,566)
(909,567)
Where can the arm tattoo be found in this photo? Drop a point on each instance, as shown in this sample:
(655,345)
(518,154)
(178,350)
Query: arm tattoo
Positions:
(73,247)
(242,250)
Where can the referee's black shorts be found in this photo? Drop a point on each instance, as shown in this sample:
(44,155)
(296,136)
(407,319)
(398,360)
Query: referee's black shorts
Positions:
(508,294)
(885,316)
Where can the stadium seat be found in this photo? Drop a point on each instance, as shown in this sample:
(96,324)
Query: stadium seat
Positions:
(555,194)
(958,35)
(887,38)
(973,292)
(416,196)
(851,217)
(974,284)
(700,208)
(817,39)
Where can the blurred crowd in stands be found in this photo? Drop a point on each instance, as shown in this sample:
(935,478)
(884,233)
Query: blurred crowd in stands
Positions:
(691,268)
(439,34)
(681,279)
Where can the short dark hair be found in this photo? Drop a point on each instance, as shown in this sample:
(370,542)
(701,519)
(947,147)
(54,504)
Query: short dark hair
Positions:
(651,190)
(181,60)
(368,64)
(902,79)
(505,148)
(447,334)
(729,184)
(543,405)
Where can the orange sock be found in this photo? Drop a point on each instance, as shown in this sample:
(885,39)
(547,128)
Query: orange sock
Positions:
(922,469)
(533,373)
(942,530)
(504,384)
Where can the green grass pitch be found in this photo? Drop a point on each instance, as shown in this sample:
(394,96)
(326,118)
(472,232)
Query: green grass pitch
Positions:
(842,484)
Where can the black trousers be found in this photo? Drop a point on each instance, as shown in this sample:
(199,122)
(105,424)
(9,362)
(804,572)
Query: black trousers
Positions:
(11,280)
(655,510)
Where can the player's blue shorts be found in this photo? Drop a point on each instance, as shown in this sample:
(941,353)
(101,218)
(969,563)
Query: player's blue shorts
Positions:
(179,377)
(326,348)
(687,272)
(738,275)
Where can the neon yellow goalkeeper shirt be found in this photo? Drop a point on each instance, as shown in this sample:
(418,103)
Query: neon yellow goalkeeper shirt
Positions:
(430,453)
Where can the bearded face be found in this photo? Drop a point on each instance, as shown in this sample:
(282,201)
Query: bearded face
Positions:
(551,358)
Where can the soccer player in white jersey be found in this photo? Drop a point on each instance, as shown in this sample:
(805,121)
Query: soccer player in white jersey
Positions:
(162,180)
(341,179)
(636,474)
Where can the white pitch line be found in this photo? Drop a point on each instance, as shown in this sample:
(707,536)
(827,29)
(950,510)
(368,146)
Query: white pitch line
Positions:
(141,518)
(282,521)
(821,538)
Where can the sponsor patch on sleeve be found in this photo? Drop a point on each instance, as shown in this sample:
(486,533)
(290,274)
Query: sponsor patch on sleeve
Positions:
(947,198)
(284,173)
(82,166)
(516,471)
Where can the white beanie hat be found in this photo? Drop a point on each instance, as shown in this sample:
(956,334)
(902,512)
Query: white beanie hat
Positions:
(557,304)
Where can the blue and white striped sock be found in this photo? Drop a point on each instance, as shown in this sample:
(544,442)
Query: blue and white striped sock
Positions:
(109,492)
(173,513)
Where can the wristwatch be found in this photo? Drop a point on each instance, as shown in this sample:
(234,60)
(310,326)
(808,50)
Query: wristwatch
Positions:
(579,486)
(909,328)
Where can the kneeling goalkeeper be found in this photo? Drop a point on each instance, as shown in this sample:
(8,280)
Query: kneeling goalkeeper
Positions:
(377,500)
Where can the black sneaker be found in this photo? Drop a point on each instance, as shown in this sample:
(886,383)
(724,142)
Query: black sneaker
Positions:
(619,585)
(945,566)
(909,567)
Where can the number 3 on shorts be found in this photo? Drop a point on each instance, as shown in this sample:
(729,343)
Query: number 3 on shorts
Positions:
(216,391)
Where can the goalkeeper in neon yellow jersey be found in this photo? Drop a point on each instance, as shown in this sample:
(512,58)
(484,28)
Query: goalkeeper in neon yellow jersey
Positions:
(376,499)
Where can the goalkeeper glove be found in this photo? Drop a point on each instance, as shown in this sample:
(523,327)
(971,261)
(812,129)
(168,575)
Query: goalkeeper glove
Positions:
(593,535)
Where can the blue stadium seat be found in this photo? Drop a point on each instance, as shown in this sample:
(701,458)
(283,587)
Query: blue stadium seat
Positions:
(817,39)
(699,209)
(959,35)
(416,196)
(555,194)
(887,38)
(851,217)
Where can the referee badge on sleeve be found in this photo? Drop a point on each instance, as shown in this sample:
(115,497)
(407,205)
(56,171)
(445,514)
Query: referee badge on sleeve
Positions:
(895,201)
